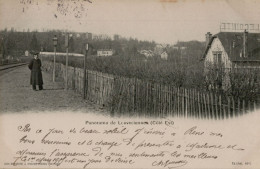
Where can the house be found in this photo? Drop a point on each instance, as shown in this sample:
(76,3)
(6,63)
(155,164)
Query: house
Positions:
(105,52)
(60,54)
(147,53)
(230,50)
(159,49)
(26,53)
(179,47)
(164,55)
(89,36)
(233,50)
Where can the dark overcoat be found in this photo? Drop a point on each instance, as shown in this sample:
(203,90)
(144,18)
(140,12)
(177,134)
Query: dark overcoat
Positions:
(36,72)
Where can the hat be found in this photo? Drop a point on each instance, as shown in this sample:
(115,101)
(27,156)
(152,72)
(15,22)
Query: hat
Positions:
(34,52)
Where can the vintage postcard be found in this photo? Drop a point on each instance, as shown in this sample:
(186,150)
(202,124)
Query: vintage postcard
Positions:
(130,84)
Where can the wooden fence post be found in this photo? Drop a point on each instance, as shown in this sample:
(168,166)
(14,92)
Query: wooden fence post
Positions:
(216,106)
(234,107)
(178,102)
(84,79)
(183,100)
(238,107)
(249,106)
(194,98)
(212,105)
(172,107)
(229,114)
(198,93)
(147,98)
(187,113)
(243,107)
(192,104)
(221,108)
(186,104)
(206,105)
(154,97)
(159,100)
(190,112)
(195,109)
(175,100)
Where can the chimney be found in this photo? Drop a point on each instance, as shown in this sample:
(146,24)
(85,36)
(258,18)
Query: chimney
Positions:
(208,37)
(245,44)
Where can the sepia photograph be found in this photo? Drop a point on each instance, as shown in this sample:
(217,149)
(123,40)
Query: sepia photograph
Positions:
(130,84)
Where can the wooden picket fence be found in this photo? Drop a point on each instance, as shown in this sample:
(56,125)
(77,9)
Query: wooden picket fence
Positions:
(134,97)
(99,85)
(144,98)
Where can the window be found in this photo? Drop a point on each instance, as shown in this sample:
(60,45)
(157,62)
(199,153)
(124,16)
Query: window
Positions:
(217,58)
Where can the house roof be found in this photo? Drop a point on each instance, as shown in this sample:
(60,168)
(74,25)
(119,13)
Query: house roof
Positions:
(165,50)
(146,52)
(233,45)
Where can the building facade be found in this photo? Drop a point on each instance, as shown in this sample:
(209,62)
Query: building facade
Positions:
(105,52)
(164,55)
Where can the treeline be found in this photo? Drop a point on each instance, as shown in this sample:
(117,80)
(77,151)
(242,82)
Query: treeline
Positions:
(16,43)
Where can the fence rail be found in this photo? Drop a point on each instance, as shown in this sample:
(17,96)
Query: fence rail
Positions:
(130,96)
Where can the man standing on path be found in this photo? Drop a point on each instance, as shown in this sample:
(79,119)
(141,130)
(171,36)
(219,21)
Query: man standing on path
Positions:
(36,72)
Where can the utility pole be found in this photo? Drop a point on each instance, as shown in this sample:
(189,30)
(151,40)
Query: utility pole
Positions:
(67,60)
(84,79)
(55,42)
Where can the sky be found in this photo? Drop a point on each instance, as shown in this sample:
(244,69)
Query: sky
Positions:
(163,21)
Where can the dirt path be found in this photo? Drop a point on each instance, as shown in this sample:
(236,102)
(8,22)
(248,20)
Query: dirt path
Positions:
(16,95)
